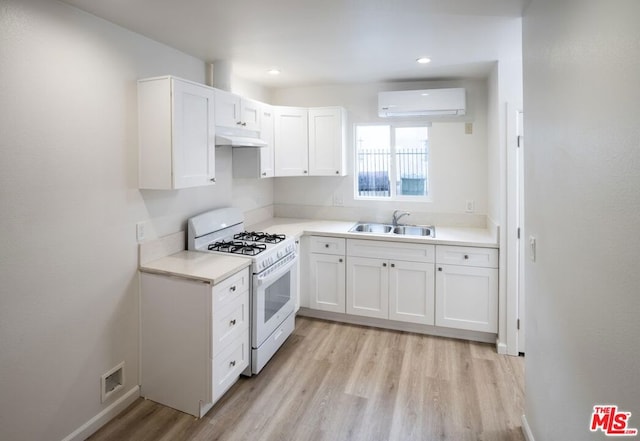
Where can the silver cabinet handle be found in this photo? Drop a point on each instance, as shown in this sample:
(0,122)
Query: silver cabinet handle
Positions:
(384,264)
(304,172)
(213,179)
(466,256)
(264,173)
(337,172)
(340,260)
(439,268)
(232,288)
(232,322)
(232,363)
(393,265)
(326,245)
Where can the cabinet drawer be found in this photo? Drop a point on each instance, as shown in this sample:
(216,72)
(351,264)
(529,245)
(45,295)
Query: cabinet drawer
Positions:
(229,364)
(229,322)
(380,249)
(328,245)
(227,291)
(467,256)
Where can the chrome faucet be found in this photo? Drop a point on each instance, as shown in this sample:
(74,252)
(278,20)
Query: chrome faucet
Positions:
(397,215)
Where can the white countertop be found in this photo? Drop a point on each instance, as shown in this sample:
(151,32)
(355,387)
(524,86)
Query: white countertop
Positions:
(207,267)
(214,268)
(474,237)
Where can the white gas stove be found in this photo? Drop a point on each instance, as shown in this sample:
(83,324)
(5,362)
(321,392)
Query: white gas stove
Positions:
(274,258)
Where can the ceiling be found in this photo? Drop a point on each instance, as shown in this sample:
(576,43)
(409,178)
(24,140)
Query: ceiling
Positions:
(328,41)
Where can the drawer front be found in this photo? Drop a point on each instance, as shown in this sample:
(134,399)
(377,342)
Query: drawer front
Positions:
(467,256)
(229,364)
(229,322)
(328,245)
(381,249)
(228,291)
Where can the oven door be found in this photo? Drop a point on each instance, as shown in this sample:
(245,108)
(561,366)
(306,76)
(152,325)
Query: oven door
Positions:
(273,291)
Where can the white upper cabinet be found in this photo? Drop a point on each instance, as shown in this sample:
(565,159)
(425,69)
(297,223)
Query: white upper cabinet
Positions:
(267,158)
(291,138)
(176,134)
(310,142)
(257,162)
(233,111)
(327,153)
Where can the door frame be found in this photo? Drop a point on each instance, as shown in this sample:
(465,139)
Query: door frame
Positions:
(515,219)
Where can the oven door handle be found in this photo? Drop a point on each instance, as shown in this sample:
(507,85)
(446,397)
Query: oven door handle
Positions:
(272,274)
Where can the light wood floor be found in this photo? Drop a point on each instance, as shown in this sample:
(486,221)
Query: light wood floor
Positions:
(338,382)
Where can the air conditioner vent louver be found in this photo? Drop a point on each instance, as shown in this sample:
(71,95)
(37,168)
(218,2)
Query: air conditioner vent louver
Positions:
(426,102)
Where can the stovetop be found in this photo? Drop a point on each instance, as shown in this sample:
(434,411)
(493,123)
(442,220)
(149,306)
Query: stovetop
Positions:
(259,236)
(222,231)
(265,249)
(237,247)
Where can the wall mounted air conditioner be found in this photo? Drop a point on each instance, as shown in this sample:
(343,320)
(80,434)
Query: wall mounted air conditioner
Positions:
(427,102)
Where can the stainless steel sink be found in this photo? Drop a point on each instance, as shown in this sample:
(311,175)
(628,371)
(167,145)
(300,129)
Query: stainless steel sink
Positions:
(401,230)
(372,228)
(414,230)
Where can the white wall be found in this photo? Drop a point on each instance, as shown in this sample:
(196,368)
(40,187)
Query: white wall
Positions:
(458,161)
(582,171)
(69,202)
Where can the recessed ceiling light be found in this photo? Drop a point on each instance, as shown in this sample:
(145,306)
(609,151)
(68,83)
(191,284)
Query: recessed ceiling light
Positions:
(273,71)
(423,60)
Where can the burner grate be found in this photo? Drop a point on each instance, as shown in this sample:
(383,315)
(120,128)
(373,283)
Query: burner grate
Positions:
(237,247)
(254,236)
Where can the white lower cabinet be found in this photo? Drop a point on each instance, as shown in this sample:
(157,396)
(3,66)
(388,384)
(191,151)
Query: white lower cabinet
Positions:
(194,339)
(467,288)
(327,274)
(367,287)
(389,286)
(399,281)
(411,293)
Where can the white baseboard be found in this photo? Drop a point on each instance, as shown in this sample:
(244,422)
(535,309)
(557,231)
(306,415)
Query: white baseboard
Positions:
(92,426)
(526,430)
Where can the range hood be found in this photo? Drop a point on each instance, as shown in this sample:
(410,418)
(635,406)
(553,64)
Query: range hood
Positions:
(239,141)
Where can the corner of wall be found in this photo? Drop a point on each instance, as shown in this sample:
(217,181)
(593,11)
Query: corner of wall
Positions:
(102,418)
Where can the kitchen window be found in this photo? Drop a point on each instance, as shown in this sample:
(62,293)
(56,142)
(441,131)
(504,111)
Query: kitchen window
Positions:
(392,162)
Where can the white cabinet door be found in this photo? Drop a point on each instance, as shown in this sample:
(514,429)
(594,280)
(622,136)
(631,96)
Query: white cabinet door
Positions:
(411,292)
(291,141)
(266,133)
(327,282)
(367,287)
(327,156)
(467,297)
(235,112)
(194,135)
(176,134)
(227,109)
(250,113)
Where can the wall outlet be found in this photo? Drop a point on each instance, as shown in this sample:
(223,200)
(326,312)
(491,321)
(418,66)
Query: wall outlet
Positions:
(470,206)
(140,231)
(111,382)
(337,200)
(468,128)
(532,248)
